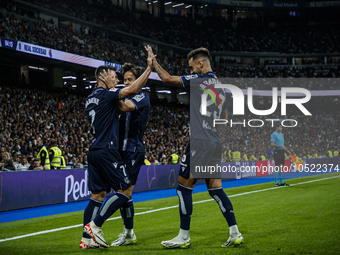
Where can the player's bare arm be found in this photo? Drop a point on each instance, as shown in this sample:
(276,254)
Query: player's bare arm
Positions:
(165,76)
(138,84)
(126,106)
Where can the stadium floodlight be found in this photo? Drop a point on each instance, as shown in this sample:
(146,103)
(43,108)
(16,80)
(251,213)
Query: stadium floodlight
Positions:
(70,77)
(155,2)
(167,3)
(84,79)
(93,81)
(176,5)
(33,67)
(182,93)
(74,86)
(188,6)
(145,88)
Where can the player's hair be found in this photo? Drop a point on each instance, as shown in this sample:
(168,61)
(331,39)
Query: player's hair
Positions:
(198,53)
(136,70)
(278,125)
(100,70)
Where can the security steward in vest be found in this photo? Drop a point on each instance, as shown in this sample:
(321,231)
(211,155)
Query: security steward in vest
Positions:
(62,162)
(173,159)
(55,155)
(236,155)
(44,160)
(336,154)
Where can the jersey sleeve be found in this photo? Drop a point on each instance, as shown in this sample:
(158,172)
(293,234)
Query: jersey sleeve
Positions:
(113,94)
(139,100)
(272,138)
(186,79)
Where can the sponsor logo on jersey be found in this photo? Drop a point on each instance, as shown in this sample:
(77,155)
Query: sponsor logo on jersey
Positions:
(138,97)
(189,77)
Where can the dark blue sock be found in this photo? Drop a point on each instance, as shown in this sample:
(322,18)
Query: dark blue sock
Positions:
(225,205)
(128,211)
(111,205)
(90,213)
(185,205)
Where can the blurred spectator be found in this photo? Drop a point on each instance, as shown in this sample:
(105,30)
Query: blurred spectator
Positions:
(35,165)
(8,165)
(23,165)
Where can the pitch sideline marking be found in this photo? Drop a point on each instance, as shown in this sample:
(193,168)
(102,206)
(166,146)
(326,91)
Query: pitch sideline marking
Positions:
(157,210)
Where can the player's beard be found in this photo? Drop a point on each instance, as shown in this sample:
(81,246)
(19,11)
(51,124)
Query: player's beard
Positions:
(197,70)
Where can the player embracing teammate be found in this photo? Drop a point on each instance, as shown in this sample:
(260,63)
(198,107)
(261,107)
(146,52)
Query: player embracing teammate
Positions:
(107,169)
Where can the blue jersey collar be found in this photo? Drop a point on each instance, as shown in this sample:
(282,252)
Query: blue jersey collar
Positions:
(210,73)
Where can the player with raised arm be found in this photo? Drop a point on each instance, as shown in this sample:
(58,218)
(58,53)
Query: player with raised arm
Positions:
(106,167)
(132,124)
(204,143)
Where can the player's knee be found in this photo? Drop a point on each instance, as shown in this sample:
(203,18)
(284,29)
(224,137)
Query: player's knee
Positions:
(127,192)
(98,195)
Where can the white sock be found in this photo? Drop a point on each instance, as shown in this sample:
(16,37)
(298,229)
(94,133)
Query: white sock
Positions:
(184,234)
(233,230)
(129,232)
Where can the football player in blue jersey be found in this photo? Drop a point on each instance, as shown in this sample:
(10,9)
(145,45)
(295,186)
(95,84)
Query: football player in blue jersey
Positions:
(105,165)
(205,146)
(132,124)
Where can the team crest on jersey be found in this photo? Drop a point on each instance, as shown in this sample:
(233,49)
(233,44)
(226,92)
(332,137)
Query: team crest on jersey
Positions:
(115,164)
(126,179)
(113,90)
(133,162)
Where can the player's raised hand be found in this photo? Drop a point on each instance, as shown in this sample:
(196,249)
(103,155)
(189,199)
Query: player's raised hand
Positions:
(108,79)
(151,56)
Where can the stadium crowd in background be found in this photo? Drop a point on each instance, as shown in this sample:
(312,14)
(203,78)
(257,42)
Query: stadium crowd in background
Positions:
(249,35)
(29,114)
(95,45)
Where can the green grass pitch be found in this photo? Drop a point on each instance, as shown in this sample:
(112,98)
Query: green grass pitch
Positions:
(301,219)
